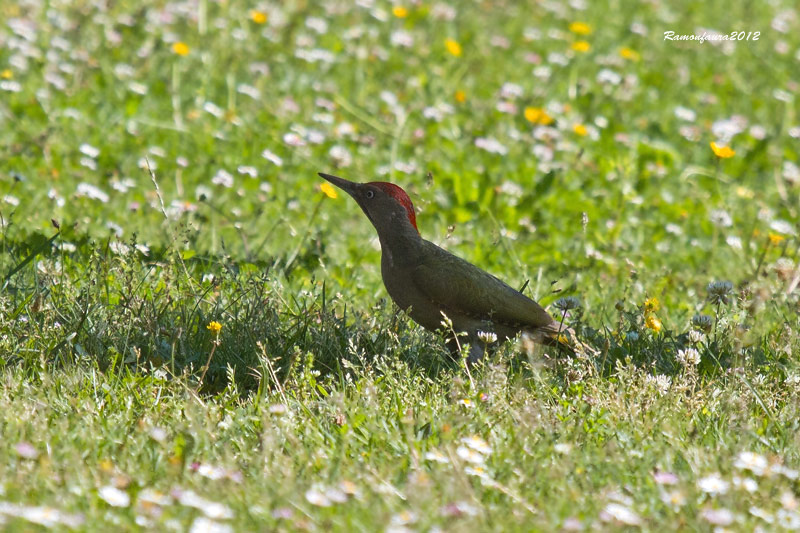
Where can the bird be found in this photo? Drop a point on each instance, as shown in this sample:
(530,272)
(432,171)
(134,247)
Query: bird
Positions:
(441,291)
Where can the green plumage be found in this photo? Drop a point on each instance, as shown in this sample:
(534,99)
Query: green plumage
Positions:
(430,283)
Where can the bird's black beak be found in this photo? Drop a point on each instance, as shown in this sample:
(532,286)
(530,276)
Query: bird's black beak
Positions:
(349,187)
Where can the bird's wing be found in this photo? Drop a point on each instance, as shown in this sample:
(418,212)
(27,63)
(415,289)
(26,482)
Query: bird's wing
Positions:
(461,287)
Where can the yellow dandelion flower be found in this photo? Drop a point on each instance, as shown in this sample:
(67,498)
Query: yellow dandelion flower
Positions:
(6,74)
(774,238)
(723,152)
(259,17)
(460,96)
(581,46)
(581,28)
(744,192)
(651,305)
(453,47)
(328,189)
(580,129)
(400,12)
(214,327)
(653,323)
(180,48)
(537,115)
(629,54)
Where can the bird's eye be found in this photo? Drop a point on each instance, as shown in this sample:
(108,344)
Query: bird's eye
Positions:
(370,194)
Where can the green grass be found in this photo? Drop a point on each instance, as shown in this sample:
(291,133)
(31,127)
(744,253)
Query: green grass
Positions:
(145,194)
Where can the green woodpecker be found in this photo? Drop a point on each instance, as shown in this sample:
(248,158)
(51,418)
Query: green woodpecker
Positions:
(435,287)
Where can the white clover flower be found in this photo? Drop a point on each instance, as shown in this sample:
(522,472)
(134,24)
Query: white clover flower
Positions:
(436,456)
(44,516)
(114,496)
(758,512)
(272,158)
(213,109)
(713,484)
(749,484)
(477,471)
(293,139)
(249,90)
(247,171)
(317,24)
(563,448)
(211,509)
(789,473)
(150,496)
(674,498)
(608,76)
(90,191)
(791,172)
(717,517)
(734,242)
(696,336)
(477,444)
(341,156)
(401,38)
(403,518)
(10,86)
(621,513)
(491,145)
(406,167)
(89,150)
(224,178)
(726,129)
(755,463)
(686,114)
(788,519)
(470,455)
(782,226)
(688,357)
(336,495)
(660,382)
(510,91)
(202,524)
(211,472)
(119,248)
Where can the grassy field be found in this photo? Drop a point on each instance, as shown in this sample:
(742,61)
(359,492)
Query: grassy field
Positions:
(195,337)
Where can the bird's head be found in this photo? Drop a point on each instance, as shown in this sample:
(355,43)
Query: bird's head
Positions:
(386,205)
